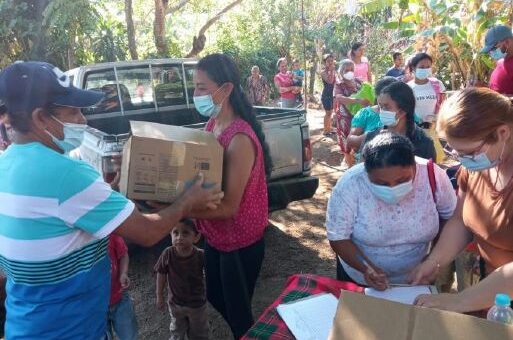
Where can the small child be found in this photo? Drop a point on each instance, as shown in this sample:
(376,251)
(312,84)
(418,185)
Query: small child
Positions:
(121,317)
(298,76)
(182,266)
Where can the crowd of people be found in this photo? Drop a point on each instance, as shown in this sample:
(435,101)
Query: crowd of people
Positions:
(392,218)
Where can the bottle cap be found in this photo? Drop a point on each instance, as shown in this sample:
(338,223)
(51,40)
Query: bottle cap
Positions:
(502,300)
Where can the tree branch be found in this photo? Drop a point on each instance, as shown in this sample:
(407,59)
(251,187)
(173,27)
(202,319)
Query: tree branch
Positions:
(198,42)
(177,7)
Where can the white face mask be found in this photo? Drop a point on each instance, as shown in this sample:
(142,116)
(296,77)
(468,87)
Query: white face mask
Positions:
(348,75)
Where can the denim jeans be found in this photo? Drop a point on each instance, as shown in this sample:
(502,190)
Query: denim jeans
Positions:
(121,319)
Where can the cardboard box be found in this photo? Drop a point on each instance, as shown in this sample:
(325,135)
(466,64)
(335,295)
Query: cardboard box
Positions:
(361,317)
(160,161)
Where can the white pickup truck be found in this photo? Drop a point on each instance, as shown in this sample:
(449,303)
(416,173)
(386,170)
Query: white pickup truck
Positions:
(161,91)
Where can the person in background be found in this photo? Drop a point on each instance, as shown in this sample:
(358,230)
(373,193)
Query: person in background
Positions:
(383,214)
(61,212)
(478,125)
(396,71)
(181,268)
(499,44)
(257,87)
(362,68)
(234,233)
(396,111)
(346,86)
(121,317)
(429,95)
(6,131)
(408,74)
(285,85)
(329,78)
(298,77)
(367,119)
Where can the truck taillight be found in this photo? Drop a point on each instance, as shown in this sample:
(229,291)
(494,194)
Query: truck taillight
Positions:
(110,167)
(307,149)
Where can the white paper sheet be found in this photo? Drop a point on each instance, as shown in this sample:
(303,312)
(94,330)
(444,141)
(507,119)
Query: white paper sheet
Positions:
(404,295)
(310,318)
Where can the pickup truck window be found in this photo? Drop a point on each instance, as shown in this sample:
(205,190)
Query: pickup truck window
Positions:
(189,73)
(132,89)
(137,80)
(168,84)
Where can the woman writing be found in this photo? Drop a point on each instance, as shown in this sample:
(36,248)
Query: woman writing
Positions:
(234,247)
(478,124)
(383,214)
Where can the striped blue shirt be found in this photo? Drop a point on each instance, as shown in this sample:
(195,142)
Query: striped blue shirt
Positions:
(55,216)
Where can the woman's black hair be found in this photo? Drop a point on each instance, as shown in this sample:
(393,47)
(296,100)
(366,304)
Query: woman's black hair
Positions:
(403,96)
(382,83)
(221,68)
(418,58)
(388,149)
(355,46)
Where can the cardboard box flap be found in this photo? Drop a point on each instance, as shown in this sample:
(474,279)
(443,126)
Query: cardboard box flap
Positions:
(172,133)
(367,318)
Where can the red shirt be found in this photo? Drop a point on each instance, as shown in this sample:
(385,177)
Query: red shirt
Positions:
(248,224)
(284,80)
(501,79)
(117,249)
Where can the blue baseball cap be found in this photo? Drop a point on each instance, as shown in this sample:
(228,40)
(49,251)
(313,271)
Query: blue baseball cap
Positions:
(495,35)
(25,86)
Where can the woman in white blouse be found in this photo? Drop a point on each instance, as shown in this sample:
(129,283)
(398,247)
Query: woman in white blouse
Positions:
(382,215)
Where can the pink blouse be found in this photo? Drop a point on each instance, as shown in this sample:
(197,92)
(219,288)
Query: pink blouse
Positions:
(361,70)
(250,221)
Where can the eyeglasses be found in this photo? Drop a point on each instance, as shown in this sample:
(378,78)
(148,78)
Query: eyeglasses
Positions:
(471,155)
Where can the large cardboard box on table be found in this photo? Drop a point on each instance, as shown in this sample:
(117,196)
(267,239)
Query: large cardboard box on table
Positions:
(160,161)
(361,317)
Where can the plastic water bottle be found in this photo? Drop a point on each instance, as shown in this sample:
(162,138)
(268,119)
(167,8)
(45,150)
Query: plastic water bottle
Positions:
(502,311)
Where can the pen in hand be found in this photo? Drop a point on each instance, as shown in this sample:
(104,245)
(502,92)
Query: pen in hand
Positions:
(371,270)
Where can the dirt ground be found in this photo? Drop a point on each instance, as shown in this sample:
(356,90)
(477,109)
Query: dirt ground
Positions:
(295,243)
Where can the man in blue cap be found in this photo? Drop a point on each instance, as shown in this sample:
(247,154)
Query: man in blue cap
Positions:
(56,213)
(499,44)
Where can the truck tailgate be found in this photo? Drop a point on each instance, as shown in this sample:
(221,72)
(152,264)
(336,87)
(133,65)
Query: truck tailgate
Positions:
(283,134)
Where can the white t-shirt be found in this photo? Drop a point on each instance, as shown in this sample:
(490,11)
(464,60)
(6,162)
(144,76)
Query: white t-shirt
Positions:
(425,99)
(395,237)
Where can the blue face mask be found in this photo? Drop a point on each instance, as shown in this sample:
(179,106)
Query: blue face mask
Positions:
(73,136)
(497,54)
(387,118)
(479,162)
(422,73)
(392,195)
(206,106)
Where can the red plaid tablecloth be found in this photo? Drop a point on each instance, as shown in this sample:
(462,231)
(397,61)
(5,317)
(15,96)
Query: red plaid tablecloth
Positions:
(270,326)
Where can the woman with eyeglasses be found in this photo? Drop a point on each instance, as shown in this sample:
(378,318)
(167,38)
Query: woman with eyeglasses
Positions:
(478,124)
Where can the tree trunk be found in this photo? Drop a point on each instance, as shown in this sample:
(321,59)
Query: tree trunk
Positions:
(38,49)
(159,27)
(198,42)
(130,30)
